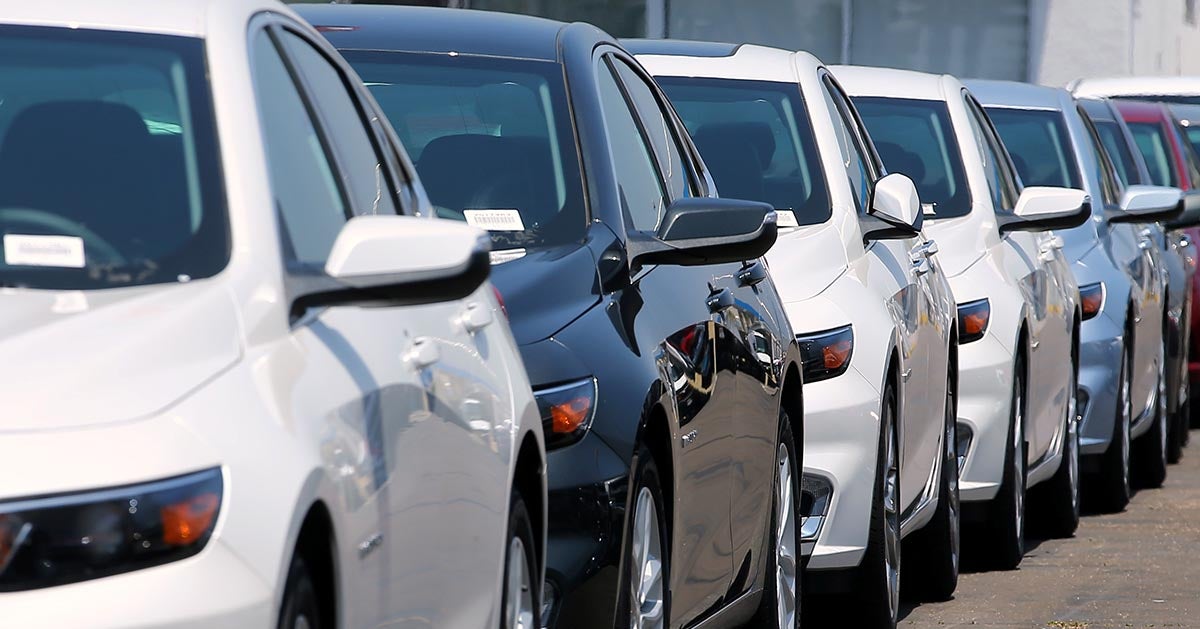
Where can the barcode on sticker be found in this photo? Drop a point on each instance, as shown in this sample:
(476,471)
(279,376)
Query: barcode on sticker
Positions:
(57,251)
(495,220)
(786,218)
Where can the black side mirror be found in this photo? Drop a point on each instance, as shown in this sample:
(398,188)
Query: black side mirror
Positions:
(704,230)
(1190,217)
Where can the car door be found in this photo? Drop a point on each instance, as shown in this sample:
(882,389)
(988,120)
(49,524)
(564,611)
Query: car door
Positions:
(685,316)
(414,421)
(896,271)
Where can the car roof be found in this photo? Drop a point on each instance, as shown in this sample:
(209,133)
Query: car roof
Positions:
(1016,94)
(1187,114)
(1097,108)
(680,47)
(747,62)
(187,18)
(890,82)
(427,29)
(1138,86)
(1141,111)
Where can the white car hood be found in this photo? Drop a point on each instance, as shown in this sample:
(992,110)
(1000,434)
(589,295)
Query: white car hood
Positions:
(805,261)
(71,359)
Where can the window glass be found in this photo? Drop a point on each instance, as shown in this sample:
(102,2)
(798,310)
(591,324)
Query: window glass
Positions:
(662,138)
(109,172)
(995,162)
(639,185)
(756,140)
(307,195)
(1104,168)
(1118,150)
(346,129)
(914,137)
(1190,158)
(1039,146)
(851,153)
(1152,143)
(491,139)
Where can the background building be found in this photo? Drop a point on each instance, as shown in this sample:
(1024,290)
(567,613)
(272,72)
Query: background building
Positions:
(1043,41)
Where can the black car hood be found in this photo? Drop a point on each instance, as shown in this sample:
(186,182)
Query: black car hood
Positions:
(546,289)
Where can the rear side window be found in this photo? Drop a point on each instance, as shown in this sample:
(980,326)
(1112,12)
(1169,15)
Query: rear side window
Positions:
(109,172)
(1039,146)
(1118,150)
(1151,141)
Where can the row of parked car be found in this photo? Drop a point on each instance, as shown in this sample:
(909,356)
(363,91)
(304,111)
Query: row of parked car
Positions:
(435,318)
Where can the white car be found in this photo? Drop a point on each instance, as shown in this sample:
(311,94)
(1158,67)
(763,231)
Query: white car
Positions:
(873,312)
(1166,89)
(1018,307)
(241,388)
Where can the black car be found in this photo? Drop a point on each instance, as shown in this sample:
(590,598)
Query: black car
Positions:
(667,375)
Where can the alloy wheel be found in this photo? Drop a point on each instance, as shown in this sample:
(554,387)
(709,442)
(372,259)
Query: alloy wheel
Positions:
(646,579)
(785,544)
(301,622)
(951,468)
(1126,420)
(891,518)
(1072,445)
(1019,466)
(519,597)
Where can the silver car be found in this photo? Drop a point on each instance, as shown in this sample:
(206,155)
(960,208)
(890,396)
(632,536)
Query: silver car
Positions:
(1119,272)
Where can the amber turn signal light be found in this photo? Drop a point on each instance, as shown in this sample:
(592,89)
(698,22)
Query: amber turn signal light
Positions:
(185,522)
(566,411)
(973,318)
(1091,299)
(826,354)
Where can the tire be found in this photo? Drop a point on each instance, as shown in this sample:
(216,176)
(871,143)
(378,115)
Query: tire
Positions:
(1007,523)
(1150,450)
(934,552)
(776,611)
(301,607)
(646,602)
(1057,502)
(877,592)
(520,601)
(1110,490)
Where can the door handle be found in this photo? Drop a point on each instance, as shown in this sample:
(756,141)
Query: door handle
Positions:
(927,248)
(1145,245)
(476,317)
(720,300)
(423,353)
(920,263)
(752,274)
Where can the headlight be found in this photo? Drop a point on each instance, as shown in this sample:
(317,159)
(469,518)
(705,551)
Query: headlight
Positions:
(75,537)
(566,411)
(973,318)
(1091,299)
(826,354)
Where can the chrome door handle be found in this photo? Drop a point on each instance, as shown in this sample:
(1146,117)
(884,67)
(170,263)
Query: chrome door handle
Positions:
(476,317)
(423,353)
(926,249)
(921,265)
(1047,255)
(1145,244)
(1035,344)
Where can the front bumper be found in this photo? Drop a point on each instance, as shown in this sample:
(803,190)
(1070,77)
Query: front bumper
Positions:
(985,382)
(1100,361)
(841,441)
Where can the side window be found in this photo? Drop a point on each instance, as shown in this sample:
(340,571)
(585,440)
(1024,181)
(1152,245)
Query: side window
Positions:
(662,138)
(347,130)
(642,196)
(1104,168)
(1001,181)
(308,199)
(853,155)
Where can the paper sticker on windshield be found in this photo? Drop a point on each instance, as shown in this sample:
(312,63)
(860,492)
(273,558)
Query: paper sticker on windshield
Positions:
(58,251)
(495,220)
(786,218)
(929,209)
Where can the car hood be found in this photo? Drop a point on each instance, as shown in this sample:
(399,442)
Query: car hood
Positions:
(546,289)
(804,261)
(71,359)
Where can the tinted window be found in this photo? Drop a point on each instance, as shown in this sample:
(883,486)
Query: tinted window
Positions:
(914,138)
(852,153)
(307,196)
(1190,158)
(491,139)
(757,141)
(662,138)
(1151,141)
(1104,169)
(347,130)
(109,174)
(642,197)
(995,159)
(1118,150)
(1039,146)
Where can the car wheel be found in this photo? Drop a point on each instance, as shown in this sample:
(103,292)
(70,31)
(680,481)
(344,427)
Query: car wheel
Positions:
(878,590)
(1058,500)
(780,606)
(645,595)
(520,571)
(1008,507)
(1112,489)
(935,550)
(1150,450)
(301,607)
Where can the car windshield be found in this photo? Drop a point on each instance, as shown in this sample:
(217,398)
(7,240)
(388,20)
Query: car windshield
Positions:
(491,139)
(756,140)
(1118,150)
(1151,141)
(1037,141)
(108,163)
(914,138)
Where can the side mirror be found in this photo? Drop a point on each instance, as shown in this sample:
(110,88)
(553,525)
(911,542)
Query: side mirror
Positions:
(1191,212)
(704,230)
(1148,204)
(399,261)
(895,210)
(1042,208)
